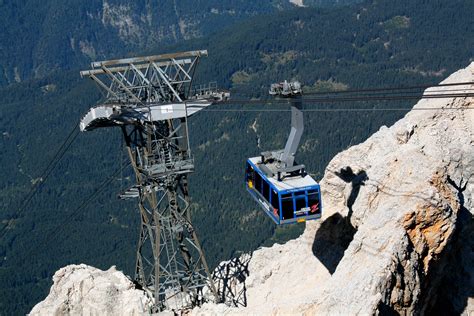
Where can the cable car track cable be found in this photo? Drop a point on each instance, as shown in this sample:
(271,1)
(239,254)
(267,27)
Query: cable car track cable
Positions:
(102,186)
(351,99)
(391,89)
(73,215)
(339,110)
(44,176)
(425,86)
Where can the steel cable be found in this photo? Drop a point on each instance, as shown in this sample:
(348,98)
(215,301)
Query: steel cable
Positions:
(44,176)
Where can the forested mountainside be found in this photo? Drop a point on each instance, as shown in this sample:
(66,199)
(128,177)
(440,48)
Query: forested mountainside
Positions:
(371,44)
(37,38)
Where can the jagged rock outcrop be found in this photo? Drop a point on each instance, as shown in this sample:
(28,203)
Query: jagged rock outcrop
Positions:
(395,237)
(85,290)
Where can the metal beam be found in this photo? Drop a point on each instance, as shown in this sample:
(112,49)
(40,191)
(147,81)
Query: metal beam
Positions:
(297,128)
(103,86)
(195,53)
(120,83)
(166,81)
(99,71)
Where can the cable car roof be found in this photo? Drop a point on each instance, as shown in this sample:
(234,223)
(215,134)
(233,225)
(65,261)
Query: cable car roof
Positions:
(293,183)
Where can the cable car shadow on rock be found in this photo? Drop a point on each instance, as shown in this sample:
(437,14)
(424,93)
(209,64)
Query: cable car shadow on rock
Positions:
(337,232)
(332,239)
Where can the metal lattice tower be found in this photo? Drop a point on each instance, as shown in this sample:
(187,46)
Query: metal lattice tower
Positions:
(149,98)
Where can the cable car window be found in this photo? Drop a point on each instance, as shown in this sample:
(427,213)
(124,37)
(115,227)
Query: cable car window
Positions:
(275,203)
(287,209)
(313,201)
(249,171)
(258,182)
(265,190)
(298,193)
(300,203)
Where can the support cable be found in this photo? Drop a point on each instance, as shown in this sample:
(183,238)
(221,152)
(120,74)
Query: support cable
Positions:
(401,88)
(73,215)
(99,189)
(352,98)
(340,110)
(44,176)
(392,90)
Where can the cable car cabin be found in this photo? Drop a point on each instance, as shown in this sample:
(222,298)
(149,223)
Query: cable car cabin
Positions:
(293,199)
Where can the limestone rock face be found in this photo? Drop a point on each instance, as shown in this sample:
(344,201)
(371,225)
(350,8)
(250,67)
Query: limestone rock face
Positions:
(396,234)
(85,290)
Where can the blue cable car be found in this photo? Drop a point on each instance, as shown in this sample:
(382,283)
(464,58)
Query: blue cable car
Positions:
(280,186)
(294,199)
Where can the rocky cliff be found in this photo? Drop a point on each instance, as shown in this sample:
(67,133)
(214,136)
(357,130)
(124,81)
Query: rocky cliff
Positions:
(396,235)
(85,290)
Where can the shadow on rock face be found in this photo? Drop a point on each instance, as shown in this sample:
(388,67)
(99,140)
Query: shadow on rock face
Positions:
(336,232)
(356,180)
(386,310)
(332,239)
(455,269)
(229,279)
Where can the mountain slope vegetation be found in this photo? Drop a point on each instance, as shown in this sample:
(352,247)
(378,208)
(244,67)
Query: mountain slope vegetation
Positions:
(38,38)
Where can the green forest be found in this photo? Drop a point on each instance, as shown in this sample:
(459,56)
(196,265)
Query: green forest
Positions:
(372,44)
(57,35)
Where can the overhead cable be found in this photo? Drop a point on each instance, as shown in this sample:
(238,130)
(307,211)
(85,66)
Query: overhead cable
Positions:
(44,176)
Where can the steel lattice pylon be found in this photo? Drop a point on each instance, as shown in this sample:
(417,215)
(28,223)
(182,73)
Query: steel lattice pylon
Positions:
(149,98)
